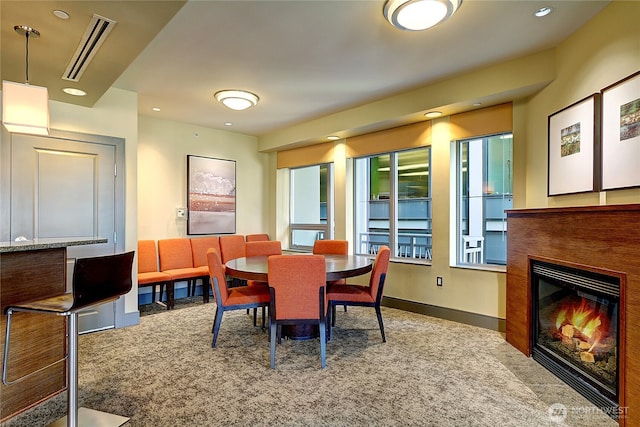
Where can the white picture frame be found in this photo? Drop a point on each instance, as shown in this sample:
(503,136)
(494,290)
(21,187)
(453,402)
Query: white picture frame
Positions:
(621,134)
(573,144)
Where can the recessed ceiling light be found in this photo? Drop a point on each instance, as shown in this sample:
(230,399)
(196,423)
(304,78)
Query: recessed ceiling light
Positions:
(543,11)
(477,104)
(432,114)
(156,109)
(237,99)
(73,91)
(333,137)
(228,123)
(61,14)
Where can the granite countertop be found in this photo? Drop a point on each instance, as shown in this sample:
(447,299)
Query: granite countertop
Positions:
(48,243)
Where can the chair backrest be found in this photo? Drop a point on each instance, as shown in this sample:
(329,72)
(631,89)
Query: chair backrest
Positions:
(101,278)
(199,248)
(216,273)
(147,256)
(331,247)
(263,248)
(298,283)
(256,237)
(232,247)
(379,273)
(175,253)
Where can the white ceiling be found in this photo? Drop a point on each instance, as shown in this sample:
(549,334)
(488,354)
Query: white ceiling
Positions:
(306,59)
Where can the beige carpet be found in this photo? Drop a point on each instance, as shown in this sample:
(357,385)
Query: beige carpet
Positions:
(431,372)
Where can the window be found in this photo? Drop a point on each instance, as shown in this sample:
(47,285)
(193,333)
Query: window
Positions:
(485,191)
(311,213)
(393,203)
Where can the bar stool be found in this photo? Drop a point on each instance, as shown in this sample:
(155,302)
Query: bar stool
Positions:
(96,281)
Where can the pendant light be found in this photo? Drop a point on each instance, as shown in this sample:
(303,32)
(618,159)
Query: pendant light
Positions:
(25,108)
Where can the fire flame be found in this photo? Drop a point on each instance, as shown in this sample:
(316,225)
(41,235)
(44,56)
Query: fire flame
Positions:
(583,318)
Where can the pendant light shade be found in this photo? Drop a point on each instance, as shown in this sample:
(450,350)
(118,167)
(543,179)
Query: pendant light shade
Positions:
(417,15)
(25,108)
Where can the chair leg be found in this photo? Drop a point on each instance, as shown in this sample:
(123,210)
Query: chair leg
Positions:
(333,315)
(216,326)
(379,314)
(255,317)
(272,345)
(264,317)
(323,344)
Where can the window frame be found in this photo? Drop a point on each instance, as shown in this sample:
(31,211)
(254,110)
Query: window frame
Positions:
(457,245)
(324,231)
(394,233)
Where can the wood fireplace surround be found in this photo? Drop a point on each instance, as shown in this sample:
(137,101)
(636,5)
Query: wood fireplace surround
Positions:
(594,238)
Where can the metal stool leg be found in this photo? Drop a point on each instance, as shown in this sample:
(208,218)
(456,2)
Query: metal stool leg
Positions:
(81,417)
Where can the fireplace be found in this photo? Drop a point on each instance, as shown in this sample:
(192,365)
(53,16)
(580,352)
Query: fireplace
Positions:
(575,324)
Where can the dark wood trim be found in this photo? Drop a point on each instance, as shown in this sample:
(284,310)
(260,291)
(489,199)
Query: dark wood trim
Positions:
(468,318)
(601,239)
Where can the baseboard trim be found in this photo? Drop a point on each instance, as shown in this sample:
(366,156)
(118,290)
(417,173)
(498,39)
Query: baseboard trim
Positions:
(460,316)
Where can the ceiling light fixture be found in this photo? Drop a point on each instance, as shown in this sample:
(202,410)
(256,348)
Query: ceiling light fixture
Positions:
(25,108)
(432,114)
(74,91)
(417,15)
(237,99)
(333,137)
(543,11)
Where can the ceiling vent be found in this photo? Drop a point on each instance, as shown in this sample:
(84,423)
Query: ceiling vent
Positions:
(97,31)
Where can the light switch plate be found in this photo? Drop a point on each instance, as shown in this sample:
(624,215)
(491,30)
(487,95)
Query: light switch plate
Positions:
(181,213)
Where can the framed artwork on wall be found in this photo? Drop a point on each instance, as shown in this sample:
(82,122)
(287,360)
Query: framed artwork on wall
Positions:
(621,134)
(574,148)
(211,193)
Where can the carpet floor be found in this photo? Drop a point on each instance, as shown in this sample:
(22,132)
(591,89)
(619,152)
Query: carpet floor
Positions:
(431,372)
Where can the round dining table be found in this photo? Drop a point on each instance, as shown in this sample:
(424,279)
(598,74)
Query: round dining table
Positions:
(338,267)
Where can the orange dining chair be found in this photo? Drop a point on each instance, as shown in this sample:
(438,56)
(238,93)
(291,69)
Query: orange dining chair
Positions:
(232,247)
(261,248)
(148,274)
(239,298)
(297,286)
(177,261)
(358,295)
(199,248)
(332,247)
(256,237)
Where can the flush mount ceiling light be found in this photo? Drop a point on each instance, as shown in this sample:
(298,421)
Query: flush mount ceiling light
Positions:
(25,108)
(543,11)
(417,15)
(74,91)
(432,114)
(237,99)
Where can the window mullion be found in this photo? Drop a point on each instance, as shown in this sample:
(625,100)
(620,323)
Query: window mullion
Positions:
(393,204)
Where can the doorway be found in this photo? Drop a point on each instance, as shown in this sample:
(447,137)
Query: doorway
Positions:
(66,185)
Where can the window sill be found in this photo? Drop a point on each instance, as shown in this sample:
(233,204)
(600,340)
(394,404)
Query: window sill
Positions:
(482,267)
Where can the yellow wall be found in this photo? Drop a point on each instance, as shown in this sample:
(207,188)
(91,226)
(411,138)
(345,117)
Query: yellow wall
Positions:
(600,53)
(115,114)
(162,175)
(605,50)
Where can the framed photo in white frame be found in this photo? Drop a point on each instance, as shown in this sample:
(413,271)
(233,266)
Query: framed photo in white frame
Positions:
(621,134)
(574,153)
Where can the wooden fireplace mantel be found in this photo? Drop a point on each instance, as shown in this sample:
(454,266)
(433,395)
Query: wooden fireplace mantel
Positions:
(600,238)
